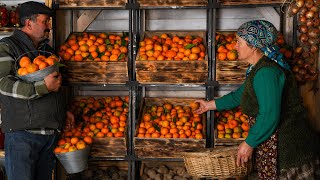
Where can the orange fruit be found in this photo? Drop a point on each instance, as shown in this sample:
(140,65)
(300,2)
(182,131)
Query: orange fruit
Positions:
(232,55)
(87,139)
(42,65)
(22,71)
(24,61)
(58,150)
(74,140)
(32,68)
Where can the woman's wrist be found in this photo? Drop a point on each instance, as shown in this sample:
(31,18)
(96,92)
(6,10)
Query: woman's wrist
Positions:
(212,105)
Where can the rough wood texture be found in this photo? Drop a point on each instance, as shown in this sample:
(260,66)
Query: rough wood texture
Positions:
(174,72)
(92,3)
(109,147)
(231,72)
(166,147)
(165,3)
(90,72)
(94,165)
(241,2)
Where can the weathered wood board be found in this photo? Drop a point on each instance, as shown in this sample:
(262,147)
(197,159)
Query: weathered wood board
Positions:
(171,71)
(93,72)
(92,3)
(109,147)
(192,3)
(166,147)
(231,72)
(242,2)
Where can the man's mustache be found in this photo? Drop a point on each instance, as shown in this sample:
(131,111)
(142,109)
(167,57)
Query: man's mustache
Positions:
(47,30)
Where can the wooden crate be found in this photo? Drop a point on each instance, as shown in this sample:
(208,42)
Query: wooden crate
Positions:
(96,72)
(109,147)
(226,141)
(93,72)
(166,147)
(231,72)
(241,2)
(164,3)
(92,3)
(175,167)
(172,72)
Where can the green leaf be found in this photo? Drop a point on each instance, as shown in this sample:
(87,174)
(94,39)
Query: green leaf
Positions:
(166,111)
(153,118)
(123,42)
(125,105)
(121,56)
(108,41)
(157,127)
(189,46)
(109,127)
(195,125)
(91,112)
(60,64)
(174,119)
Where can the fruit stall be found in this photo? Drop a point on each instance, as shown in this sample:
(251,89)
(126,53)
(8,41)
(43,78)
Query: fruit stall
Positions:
(133,69)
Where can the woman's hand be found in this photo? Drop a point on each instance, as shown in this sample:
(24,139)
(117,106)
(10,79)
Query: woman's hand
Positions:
(244,153)
(205,106)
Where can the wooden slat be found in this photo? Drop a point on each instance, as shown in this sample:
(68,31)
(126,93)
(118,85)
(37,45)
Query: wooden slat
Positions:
(86,19)
(231,72)
(192,3)
(166,147)
(175,72)
(94,165)
(96,72)
(109,147)
(242,2)
(92,3)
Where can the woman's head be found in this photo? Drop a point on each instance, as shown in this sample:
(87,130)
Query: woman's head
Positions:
(258,37)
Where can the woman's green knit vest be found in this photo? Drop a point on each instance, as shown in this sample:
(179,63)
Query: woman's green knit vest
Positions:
(297,142)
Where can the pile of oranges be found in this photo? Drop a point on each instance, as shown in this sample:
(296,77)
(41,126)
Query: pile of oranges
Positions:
(171,121)
(27,66)
(98,118)
(178,48)
(73,143)
(92,47)
(225,47)
(232,124)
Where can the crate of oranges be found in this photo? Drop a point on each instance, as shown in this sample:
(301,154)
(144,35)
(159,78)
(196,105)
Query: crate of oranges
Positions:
(231,127)
(104,119)
(172,57)
(167,127)
(229,70)
(95,58)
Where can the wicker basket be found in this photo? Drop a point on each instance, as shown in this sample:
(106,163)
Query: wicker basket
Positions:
(215,163)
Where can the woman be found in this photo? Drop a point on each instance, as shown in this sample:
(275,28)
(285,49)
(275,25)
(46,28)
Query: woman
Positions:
(285,145)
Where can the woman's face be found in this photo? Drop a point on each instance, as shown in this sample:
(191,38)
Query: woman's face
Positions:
(244,51)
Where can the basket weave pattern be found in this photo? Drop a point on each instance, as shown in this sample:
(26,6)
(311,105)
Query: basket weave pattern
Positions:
(216,163)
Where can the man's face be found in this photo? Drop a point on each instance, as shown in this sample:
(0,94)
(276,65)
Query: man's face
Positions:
(41,27)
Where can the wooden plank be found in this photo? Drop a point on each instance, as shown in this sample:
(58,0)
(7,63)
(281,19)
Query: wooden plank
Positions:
(92,3)
(96,72)
(109,147)
(242,2)
(271,15)
(231,72)
(166,147)
(86,19)
(165,3)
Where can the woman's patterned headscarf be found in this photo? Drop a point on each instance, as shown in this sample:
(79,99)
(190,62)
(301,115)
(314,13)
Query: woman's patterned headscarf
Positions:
(263,35)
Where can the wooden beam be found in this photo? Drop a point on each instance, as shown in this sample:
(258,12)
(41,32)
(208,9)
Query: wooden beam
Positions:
(85,19)
(271,15)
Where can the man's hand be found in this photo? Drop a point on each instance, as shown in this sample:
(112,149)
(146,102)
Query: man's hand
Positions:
(53,81)
(205,106)
(70,121)
(244,154)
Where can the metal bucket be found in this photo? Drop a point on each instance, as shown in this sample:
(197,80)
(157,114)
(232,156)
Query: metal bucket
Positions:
(76,161)
(40,74)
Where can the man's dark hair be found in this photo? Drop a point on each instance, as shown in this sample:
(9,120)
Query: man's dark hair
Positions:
(32,17)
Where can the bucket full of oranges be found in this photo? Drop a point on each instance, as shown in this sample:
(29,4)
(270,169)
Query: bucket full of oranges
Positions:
(34,66)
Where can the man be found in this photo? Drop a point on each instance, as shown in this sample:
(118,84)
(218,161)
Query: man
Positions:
(32,113)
